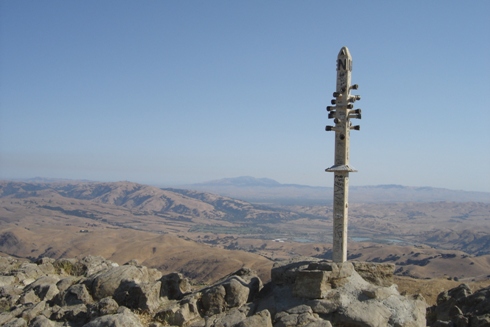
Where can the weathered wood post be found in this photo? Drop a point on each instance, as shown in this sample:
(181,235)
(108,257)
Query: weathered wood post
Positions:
(342,112)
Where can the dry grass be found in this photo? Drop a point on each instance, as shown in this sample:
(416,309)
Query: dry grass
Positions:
(431,288)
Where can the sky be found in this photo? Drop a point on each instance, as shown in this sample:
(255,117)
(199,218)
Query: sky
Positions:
(180,92)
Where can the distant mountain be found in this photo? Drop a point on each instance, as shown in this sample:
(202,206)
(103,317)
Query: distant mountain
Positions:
(141,199)
(265,190)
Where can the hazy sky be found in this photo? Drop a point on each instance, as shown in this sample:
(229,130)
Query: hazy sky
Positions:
(170,92)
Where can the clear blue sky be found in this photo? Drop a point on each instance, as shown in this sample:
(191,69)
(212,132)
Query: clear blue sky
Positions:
(171,92)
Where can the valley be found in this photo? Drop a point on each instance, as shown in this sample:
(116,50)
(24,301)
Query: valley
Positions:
(206,236)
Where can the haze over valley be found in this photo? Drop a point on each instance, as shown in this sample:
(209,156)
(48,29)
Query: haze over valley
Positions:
(206,236)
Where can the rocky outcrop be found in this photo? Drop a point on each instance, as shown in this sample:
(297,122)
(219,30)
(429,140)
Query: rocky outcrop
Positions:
(459,307)
(323,293)
(94,292)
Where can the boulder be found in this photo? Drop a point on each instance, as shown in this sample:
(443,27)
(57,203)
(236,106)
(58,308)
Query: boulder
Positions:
(213,299)
(107,306)
(234,291)
(229,318)
(262,318)
(337,293)
(44,287)
(93,264)
(41,321)
(19,322)
(75,294)
(124,319)
(76,314)
(128,285)
(174,286)
(32,312)
(460,307)
(301,315)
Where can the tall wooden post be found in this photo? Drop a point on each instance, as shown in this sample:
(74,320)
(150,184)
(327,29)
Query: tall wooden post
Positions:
(342,112)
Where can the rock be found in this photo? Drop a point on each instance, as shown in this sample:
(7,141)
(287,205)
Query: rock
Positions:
(301,315)
(262,318)
(107,306)
(178,315)
(19,322)
(237,292)
(46,265)
(28,297)
(28,272)
(93,264)
(132,262)
(174,286)
(145,296)
(233,291)
(41,321)
(363,314)
(340,295)
(284,273)
(380,274)
(126,319)
(44,287)
(75,294)
(311,284)
(230,318)
(77,314)
(9,295)
(213,299)
(128,285)
(460,307)
(7,280)
(34,311)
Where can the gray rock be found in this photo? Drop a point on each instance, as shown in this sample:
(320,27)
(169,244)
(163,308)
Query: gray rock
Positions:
(29,270)
(284,273)
(301,315)
(380,274)
(94,264)
(181,312)
(460,307)
(369,314)
(233,291)
(46,265)
(6,317)
(19,322)
(41,321)
(75,294)
(44,287)
(64,283)
(117,320)
(311,284)
(213,299)
(7,280)
(34,311)
(28,297)
(129,285)
(342,296)
(174,286)
(237,292)
(262,318)
(9,295)
(145,296)
(226,319)
(77,314)
(107,306)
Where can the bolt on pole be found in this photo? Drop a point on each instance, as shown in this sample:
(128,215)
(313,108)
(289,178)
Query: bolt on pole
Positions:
(342,112)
